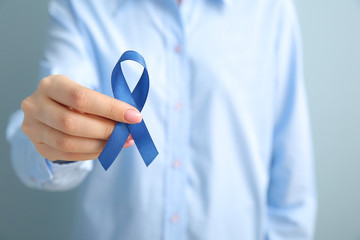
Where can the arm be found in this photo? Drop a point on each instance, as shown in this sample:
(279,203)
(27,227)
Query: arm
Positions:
(63,51)
(291,192)
(62,119)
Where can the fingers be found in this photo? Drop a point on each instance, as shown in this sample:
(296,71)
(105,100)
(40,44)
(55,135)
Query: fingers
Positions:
(54,154)
(65,91)
(128,143)
(67,143)
(66,121)
(56,145)
(73,123)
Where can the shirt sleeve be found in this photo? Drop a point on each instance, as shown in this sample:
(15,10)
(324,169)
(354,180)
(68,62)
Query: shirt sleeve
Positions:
(65,53)
(291,192)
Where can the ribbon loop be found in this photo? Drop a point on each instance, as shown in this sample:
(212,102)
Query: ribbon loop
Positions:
(137,98)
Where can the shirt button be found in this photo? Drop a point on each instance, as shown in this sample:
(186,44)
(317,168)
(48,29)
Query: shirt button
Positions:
(178,106)
(177,163)
(32,178)
(178,49)
(175,218)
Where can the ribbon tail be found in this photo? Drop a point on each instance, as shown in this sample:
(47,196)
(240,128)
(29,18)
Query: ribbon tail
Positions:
(114,145)
(143,141)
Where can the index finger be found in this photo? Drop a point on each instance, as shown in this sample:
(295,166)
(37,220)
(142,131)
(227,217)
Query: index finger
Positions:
(67,92)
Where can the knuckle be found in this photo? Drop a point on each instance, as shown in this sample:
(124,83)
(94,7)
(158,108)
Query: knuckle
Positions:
(45,83)
(26,105)
(79,98)
(61,77)
(65,144)
(25,127)
(112,109)
(68,123)
(42,149)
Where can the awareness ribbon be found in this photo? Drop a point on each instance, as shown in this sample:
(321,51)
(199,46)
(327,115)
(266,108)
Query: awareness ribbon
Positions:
(137,98)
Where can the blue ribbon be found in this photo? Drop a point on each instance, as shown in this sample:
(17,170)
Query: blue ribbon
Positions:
(137,98)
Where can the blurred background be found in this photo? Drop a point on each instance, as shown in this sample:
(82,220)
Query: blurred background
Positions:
(331,37)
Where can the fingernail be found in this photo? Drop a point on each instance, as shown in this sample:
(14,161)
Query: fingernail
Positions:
(128,143)
(132,116)
(131,142)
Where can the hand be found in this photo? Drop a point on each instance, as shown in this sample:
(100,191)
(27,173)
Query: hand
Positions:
(67,121)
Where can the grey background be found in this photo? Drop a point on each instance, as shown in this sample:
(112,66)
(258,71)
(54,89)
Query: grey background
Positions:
(331,35)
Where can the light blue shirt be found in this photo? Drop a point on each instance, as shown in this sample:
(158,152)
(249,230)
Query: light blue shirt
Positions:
(226,109)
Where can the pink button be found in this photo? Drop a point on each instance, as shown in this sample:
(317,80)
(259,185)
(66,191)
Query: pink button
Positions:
(32,178)
(178,106)
(175,218)
(177,163)
(178,49)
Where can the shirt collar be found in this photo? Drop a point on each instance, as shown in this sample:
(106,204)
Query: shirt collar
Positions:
(118,3)
(221,2)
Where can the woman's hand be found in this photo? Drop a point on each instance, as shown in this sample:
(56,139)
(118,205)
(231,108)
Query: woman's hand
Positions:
(67,121)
